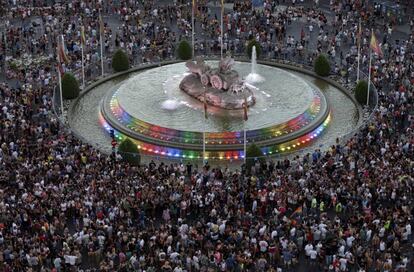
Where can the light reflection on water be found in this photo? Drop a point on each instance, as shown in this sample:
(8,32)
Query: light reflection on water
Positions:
(282,97)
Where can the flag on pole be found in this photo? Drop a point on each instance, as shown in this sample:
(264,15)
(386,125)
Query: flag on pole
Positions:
(59,66)
(83,40)
(63,57)
(245,117)
(359,33)
(298,210)
(205,106)
(101,25)
(375,45)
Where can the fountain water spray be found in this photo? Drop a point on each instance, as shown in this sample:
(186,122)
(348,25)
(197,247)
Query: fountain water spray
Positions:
(254,77)
(171,103)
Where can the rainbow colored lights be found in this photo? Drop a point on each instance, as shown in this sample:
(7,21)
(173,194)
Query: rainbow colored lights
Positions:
(286,147)
(216,138)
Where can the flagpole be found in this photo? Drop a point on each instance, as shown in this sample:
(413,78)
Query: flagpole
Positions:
(83,67)
(5,51)
(204,145)
(102,62)
(221,28)
(359,48)
(244,128)
(101,41)
(192,27)
(369,74)
(60,43)
(244,142)
(60,94)
(204,127)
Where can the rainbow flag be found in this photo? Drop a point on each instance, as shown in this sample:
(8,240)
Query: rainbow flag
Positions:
(374,45)
(62,57)
(298,210)
(101,25)
(60,67)
(82,35)
(83,39)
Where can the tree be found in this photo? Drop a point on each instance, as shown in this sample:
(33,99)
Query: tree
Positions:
(361,91)
(253,153)
(322,66)
(120,61)
(250,48)
(70,86)
(184,50)
(129,152)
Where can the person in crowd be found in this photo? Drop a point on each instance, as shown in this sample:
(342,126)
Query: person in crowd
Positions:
(65,206)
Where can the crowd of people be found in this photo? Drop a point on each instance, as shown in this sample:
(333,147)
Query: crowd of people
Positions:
(65,206)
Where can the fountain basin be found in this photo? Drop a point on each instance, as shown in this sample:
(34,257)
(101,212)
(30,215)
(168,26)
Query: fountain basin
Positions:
(215,97)
(149,86)
(288,115)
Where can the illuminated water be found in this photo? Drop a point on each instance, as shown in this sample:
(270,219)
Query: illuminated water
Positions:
(154,97)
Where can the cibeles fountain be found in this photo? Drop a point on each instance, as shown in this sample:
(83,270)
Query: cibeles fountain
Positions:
(162,109)
(220,87)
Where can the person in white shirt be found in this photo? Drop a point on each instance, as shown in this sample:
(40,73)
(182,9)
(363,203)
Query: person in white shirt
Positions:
(349,241)
(263,246)
(408,230)
(343,262)
(308,248)
(313,254)
(382,246)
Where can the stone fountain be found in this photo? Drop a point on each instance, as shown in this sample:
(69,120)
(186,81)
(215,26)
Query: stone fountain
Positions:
(221,87)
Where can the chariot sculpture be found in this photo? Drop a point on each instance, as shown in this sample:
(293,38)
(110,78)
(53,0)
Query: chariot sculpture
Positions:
(222,87)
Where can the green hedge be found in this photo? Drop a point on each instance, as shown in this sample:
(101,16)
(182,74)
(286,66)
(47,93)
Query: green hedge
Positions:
(322,66)
(361,91)
(250,48)
(184,51)
(129,152)
(253,152)
(120,61)
(70,86)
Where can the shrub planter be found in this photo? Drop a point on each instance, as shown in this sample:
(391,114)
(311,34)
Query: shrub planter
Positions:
(120,61)
(361,92)
(322,66)
(129,152)
(184,51)
(70,86)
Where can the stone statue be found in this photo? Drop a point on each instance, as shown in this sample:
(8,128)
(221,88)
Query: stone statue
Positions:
(222,78)
(223,82)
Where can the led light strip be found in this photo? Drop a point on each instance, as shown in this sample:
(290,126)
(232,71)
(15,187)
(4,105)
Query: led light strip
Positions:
(287,147)
(217,138)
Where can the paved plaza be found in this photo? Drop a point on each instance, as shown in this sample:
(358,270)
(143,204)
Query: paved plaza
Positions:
(67,205)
